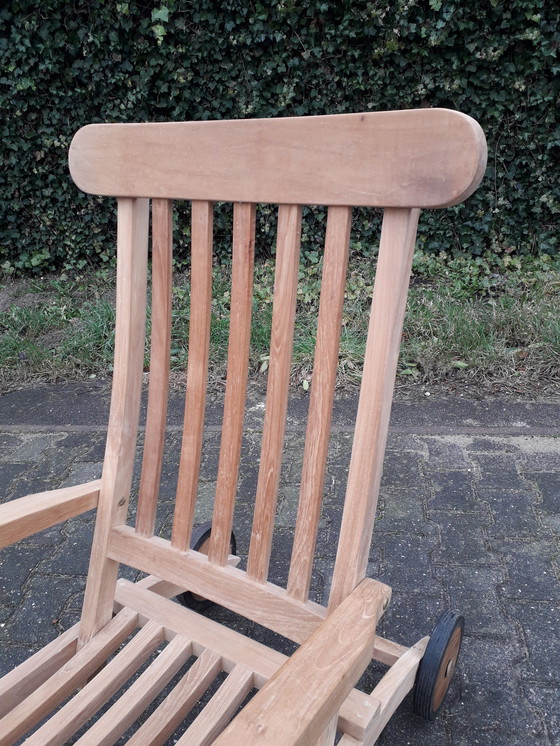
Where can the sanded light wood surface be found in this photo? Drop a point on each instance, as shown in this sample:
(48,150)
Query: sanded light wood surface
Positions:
(172,711)
(354,715)
(264,603)
(281,344)
(85,703)
(120,449)
(122,714)
(197,372)
(321,402)
(297,704)
(33,513)
(421,158)
(65,681)
(396,249)
(219,711)
(158,389)
(18,683)
(236,386)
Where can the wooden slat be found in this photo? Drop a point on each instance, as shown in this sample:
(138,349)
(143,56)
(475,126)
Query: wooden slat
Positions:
(329,736)
(66,680)
(394,687)
(132,260)
(357,710)
(18,684)
(321,402)
(122,714)
(221,708)
(197,372)
(281,343)
(158,388)
(423,158)
(161,724)
(33,513)
(372,421)
(66,721)
(297,704)
(264,603)
(236,387)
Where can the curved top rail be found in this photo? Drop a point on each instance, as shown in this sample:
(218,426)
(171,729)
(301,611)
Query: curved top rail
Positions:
(411,158)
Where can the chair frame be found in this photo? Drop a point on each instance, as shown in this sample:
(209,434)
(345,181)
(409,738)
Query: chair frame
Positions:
(400,161)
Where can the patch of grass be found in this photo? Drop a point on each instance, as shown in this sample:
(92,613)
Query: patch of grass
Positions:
(492,321)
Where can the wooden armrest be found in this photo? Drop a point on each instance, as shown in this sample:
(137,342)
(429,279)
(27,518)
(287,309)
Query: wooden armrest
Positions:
(33,513)
(297,704)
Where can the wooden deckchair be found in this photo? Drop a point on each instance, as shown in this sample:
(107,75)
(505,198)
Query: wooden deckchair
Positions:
(399,161)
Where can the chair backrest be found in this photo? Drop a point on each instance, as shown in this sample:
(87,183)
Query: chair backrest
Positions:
(399,161)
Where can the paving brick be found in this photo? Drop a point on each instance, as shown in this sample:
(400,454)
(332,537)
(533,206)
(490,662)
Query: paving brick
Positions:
(401,470)
(547,703)
(513,513)
(443,453)
(402,510)
(549,485)
(492,709)
(531,569)
(539,622)
(499,472)
(453,490)
(462,538)
(406,561)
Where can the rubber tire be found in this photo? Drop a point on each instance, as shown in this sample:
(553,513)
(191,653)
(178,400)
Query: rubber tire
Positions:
(200,536)
(434,673)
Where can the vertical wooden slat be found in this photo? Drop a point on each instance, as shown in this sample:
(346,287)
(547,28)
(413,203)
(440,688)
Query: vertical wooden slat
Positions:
(197,372)
(321,401)
(162,237)
(281,344)
(236,387)
(372,421)
(132,260)
(221,708)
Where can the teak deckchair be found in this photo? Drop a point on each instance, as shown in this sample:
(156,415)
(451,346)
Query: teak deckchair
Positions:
(399,161)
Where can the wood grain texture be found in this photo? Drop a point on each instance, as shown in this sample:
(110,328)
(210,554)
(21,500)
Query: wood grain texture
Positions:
(122,714)
(297,704)
(394,263)
(221,708)
(67,679)
(21,681)
(281,344)
(158,387)
(120,449)
(416,158)
(33,513)
(236,385)
(357,710)
(197,372)
(321,401)
(161,724)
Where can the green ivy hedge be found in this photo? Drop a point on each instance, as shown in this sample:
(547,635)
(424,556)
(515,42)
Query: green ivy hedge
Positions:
(66,64)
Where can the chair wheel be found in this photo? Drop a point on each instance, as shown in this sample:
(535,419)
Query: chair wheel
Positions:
(438,664)
(199,541)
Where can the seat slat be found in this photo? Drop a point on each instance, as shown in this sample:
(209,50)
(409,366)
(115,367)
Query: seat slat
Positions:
(167,717)
(197,372)
(73,674)
(236,387)
(122,714)
(321,402)
(372,421)
(221,708)
(158,388)
(66,721)
(281,344)
(16,685)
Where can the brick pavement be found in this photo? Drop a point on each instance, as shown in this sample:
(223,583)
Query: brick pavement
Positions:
(469,518)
